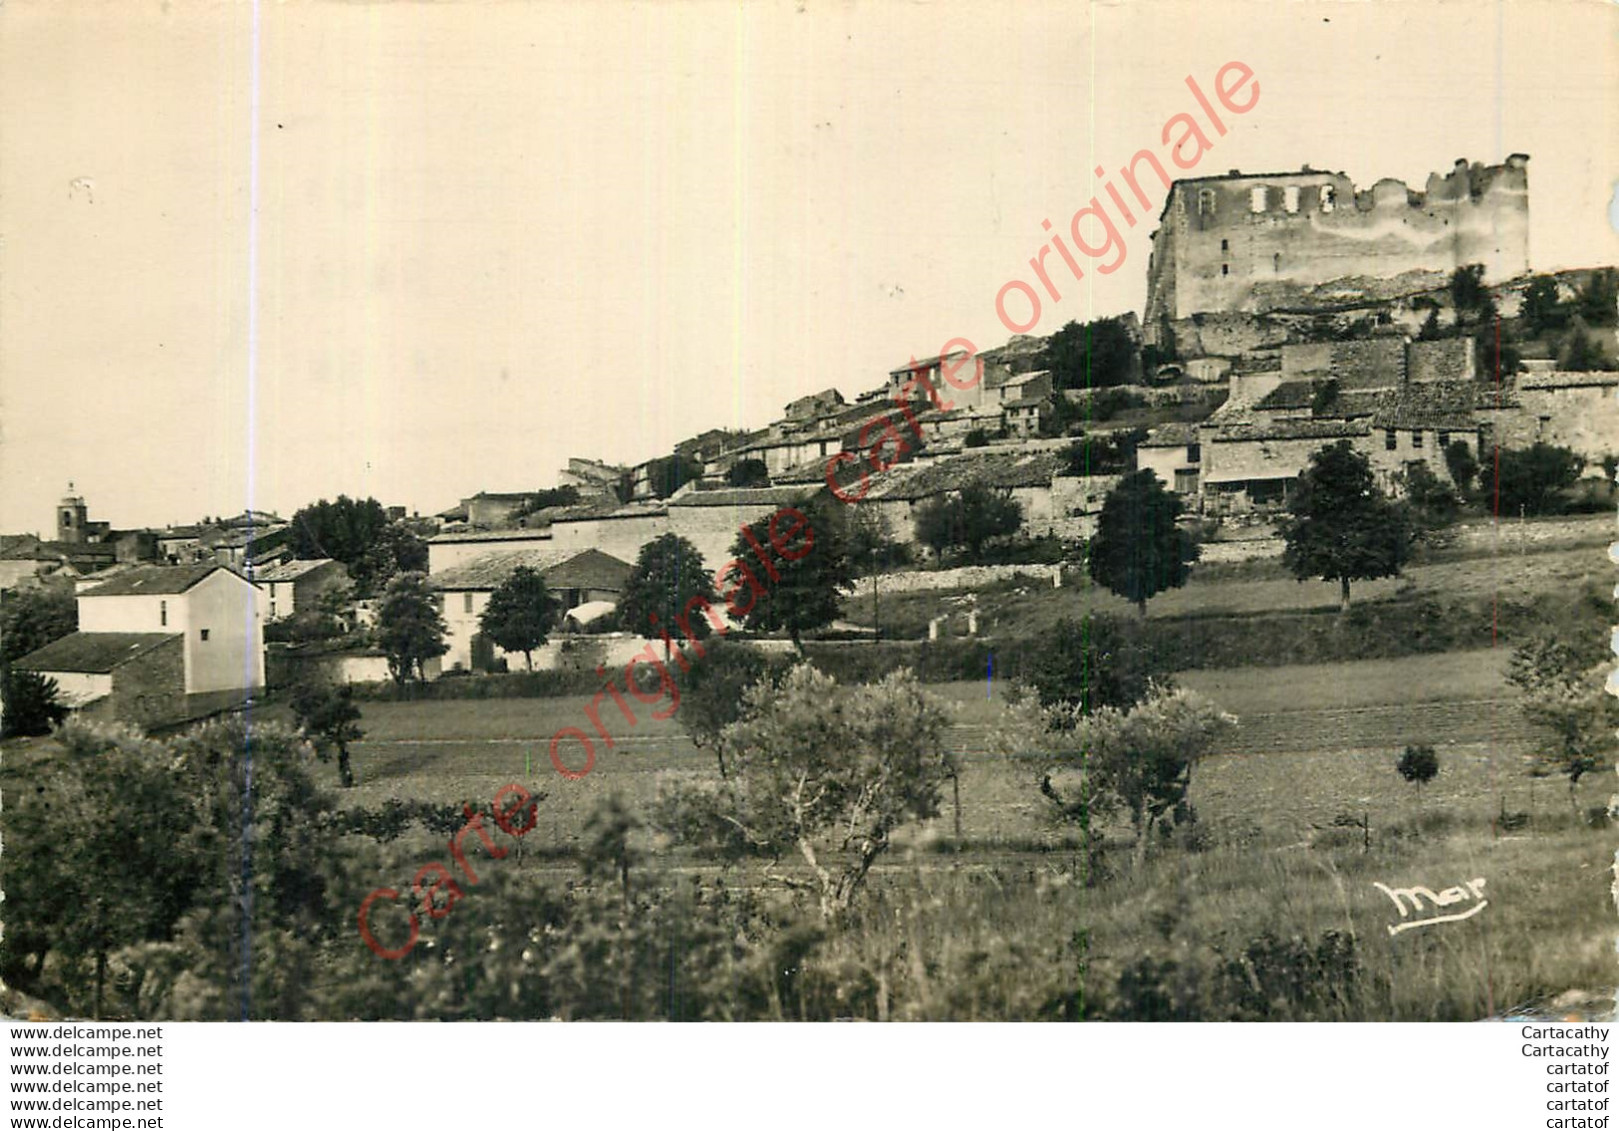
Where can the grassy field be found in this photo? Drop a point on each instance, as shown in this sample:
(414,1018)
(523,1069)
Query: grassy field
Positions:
(1316,744)
(1261,587)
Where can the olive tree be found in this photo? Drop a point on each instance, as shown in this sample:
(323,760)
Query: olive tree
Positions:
(828,773)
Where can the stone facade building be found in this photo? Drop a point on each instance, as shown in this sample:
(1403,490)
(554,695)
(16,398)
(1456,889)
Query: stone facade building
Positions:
(1259,242)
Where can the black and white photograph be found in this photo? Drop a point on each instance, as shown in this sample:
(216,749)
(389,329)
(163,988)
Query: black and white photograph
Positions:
(808,512)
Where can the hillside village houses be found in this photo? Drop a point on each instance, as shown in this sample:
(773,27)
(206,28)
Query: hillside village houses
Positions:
(298,586)
(1264,350)
(575,579)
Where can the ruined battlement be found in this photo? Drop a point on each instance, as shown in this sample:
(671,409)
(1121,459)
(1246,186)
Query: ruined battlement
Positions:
(1258,242)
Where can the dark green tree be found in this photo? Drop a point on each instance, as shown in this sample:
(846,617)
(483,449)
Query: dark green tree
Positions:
(1140,549)
(711,694)
(608,851)
(395,549)
(1343,528)
(546,498)
(1095,661)
(342,529)
(1542,310)
(1532,480)
(748,473)
(967,520)
(521,614)
(672,472)
(410,629)
(1325,397)
(1112,453)
(1583,355)
(1599,298)
(804,593)
(330,718)
(1462,465)
(100,855)
(669,572)
(1431,329)
(1092,355)
(1431,503)
(1418,765)
(30,703)
(32,618)
(1468,293)
(872,548)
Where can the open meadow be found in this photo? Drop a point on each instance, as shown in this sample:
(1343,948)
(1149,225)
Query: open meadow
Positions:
(1299,813)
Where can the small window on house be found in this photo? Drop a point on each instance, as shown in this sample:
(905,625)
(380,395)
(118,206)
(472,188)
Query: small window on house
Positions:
(1225,245)
(1390,442)
(1205,202)
(1444,439)
(203,632)
(1416,438)
(1225,268)
(1276,263)
(466,602)
(1329,198)
(272,610)
(1290,198)
(1256,199)
(163,612)
(1194,453)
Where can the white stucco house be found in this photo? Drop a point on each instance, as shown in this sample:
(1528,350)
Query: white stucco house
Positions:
(160,643)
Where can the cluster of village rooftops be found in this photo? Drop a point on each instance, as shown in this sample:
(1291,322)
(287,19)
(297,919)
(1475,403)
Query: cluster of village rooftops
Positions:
(1286,312)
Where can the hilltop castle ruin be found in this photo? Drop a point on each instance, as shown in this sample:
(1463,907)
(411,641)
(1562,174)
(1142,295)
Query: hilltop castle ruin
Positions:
(1274,241)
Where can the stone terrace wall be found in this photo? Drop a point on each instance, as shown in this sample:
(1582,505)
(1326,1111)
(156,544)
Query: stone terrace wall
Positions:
(965,577)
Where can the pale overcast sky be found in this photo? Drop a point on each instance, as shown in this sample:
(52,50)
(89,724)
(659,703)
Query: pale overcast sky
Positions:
(491,236)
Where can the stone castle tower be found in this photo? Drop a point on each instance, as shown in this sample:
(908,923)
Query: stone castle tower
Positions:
(1261,242)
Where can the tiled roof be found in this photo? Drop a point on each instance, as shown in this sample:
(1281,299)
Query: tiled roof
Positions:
(1289,430)
(563,569)
(10,543)
(589,570)
(1430,404)
(511,534)
(1171,436)
(93,651)
(845,472)
(1567,380)
(246,535)
(488,571)
(1351,404)
(609,508)
(927,362)
(996,469)
(87,553)
(291,571)
(742,496)
(1289,394)
(1025,378)
(156,579)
